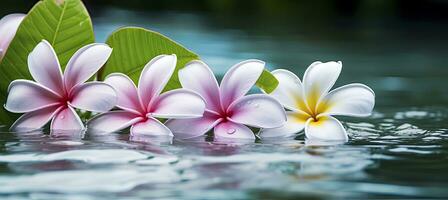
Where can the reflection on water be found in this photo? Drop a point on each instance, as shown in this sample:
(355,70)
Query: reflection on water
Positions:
(400,151)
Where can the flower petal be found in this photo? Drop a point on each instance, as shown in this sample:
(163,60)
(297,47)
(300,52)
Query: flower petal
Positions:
(127,94)
(349,100)
(44,67)
(85,63)
(318,80)
(289,90)
(26,96)
(179,103)
(239,80)
(197,76)
(67,119)
(94,96)
(150,127)
(112,121)
(155,76)
(233,130)
(190,128)
(326,128)
(295,123)
(36,119)
(258,110)
(8,28)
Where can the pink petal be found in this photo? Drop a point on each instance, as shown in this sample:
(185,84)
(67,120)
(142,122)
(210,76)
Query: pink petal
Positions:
(295,123)
(179,103)
(36,119)
(26,96)
(258,110)
(190,128)
(326,128)
(239,80)
(44,67)
(197,76)
(8,28)
(85,63)
(94,96)
(112,121)
(67,119)
(150,127)
(233,130)
(155,76)
(126,92)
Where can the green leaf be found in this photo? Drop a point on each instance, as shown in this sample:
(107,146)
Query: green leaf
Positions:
(134,47)
(267,82)
(65,24)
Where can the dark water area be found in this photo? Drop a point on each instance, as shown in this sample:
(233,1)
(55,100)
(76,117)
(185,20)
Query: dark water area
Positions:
(401,151)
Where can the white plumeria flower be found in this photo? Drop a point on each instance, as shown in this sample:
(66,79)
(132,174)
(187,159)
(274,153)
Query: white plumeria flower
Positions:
(312,105)
(8,28)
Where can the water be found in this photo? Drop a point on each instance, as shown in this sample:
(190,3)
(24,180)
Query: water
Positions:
(400,151)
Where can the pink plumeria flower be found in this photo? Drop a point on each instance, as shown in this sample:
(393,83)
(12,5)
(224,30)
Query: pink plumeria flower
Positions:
(54,96)
(141,106)
(312,105)
(228,110)
(8,28)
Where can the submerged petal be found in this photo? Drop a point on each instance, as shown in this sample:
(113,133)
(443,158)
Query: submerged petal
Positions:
(36,119)
(8,28)
(325,128)
(233,130)
(150,127)
(94,96)
(289,90)
(67,119)
(349,100)
(197,76)
(190,128)
(112,121)
(239,80)
(295,123)
(85,63)
(127,94)
(155,76)
(26,96)
(258,110)
(44,67)
(179,103)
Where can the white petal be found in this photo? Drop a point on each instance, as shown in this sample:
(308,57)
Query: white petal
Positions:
(151,127)
(85,63)
(94,96)
(197,76)
(318,80)
(36,119)
(258,110)
(112,121)
(44,67)
(26,96)
(127,94)
(289,90)
(190,128)
(67,119)
(179,103)
(295,123)
(8,28)
(326,128)
(349,100)
(239,80)
(233,130)
(155,76)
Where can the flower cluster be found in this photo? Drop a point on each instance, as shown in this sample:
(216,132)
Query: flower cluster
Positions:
(191,111)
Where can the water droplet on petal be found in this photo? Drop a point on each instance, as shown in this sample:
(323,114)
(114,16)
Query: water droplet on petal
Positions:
(231,131)
(257,105)
(62,117)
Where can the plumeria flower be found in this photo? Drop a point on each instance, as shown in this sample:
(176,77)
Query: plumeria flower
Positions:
(54,96)
(8,28)
(141,106)
(312,105)
(228,110)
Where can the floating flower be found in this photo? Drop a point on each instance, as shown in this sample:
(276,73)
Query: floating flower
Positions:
(312,104)
(54,96)
(141,106)
(8,28)
(228,110)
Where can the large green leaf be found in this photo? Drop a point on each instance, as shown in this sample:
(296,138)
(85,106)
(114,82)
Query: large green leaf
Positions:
(134,47)
(65,24)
